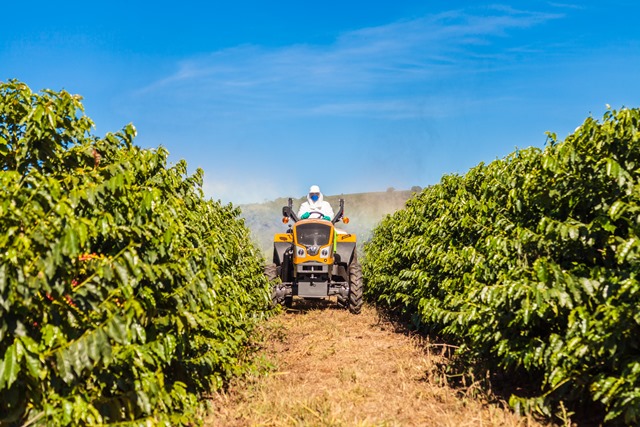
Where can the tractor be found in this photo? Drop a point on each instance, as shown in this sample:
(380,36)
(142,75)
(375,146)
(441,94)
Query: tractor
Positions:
(313,259)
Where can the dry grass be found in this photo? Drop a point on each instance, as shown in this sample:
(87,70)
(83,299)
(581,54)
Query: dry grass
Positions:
(336,369)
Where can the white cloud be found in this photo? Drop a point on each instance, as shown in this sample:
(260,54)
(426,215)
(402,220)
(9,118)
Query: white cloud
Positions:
(361,67)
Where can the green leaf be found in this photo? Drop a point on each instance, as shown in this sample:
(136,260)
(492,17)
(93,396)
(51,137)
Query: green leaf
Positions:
(9,367)
(116,329)
(3,278)
(617,209)
(70,242)
(63,365)
(613,168)
(34,366)
(122,273)
(625,248)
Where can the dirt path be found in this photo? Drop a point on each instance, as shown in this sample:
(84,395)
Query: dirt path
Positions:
(332,368)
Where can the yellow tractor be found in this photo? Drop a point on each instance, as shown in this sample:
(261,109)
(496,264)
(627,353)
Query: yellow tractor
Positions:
(314,259)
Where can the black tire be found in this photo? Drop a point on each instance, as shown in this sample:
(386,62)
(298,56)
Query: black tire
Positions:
(355,287)
(343,302)
(271,271)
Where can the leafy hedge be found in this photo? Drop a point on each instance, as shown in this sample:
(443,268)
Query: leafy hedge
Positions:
(124,294)
(531,264)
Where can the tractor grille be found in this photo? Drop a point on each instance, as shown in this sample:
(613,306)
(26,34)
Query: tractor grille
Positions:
(312,269)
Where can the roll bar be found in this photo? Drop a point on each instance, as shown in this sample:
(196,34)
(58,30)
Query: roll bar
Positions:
(338,215)
(287,211)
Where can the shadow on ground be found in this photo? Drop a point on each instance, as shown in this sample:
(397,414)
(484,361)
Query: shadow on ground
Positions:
(304,305)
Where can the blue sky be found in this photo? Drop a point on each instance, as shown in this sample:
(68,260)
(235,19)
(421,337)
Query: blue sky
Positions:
(271,97)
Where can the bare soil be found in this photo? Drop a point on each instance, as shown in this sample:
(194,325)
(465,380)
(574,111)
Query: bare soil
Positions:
(322,366)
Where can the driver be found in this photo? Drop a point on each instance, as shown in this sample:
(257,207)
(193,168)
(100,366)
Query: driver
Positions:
(315,204)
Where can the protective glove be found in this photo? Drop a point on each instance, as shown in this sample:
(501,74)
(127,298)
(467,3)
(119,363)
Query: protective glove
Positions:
(305,215)
(326,218)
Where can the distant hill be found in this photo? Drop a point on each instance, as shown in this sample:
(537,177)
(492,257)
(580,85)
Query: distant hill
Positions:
(364,211)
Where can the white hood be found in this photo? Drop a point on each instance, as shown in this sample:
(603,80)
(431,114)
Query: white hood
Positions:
(318,202)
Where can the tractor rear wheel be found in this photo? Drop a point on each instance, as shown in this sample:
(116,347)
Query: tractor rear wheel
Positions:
(355,287)
(271,272)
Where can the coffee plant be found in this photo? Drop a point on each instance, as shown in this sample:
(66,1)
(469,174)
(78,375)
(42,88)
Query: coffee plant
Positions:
(530,264)
(124,294)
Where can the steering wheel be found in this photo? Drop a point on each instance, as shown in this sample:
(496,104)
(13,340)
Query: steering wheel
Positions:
(316,215)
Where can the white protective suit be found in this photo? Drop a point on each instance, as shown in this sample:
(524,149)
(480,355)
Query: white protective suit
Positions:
(318,206)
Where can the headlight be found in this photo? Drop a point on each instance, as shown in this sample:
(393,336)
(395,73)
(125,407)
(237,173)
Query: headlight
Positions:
(300,252)
(324,253)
